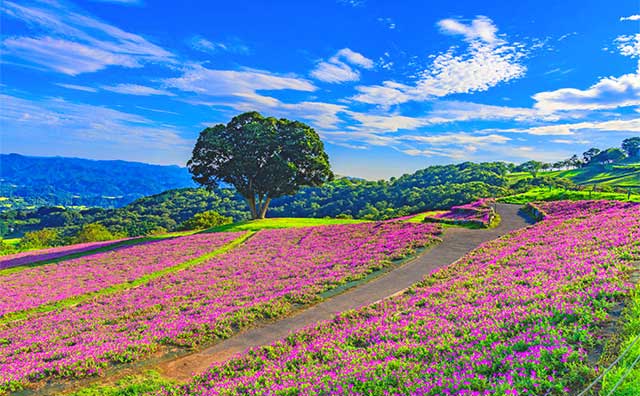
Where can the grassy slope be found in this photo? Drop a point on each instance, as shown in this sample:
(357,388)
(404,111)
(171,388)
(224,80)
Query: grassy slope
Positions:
(280,222)
(631,330)
(556,194)
(623,174)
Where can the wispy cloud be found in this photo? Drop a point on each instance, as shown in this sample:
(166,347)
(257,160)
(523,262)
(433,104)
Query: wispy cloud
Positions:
(481,28)
(635,17)
(232,45)
(87,125)
(75,43)
(77,87)
(135,89)
(608,93)
(387,22)
(213,82)
(487,62)
(339,68)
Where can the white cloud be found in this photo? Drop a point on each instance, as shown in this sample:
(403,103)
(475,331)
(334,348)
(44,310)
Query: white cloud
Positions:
(608,93)
(385,122)
(232,45)
(212,82)
(630,18)
(622,125)
(387,22)
(77,87)
(487,62)
(339,67)
(88,125)
(481,28)
(76,43)
(320,115)
(629,45)
(335,72)
(457,138)
(135,89)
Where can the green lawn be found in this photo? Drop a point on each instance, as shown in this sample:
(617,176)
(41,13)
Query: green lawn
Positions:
(556,194)
(419,218)
(11,241)
(623,174)
(280,222)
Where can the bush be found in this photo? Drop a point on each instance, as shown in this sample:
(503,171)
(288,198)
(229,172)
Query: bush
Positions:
(204,220)
(43,238)
(93,232)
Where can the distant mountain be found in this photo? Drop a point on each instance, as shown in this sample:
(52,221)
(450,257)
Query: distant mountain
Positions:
(44,181)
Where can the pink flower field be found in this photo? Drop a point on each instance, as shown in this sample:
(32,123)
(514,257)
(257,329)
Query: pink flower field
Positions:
(268,276)
(515,316)
(29,257)
(478,213)
(33,287)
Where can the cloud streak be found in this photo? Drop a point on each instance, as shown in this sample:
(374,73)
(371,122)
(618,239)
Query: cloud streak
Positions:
(75,43)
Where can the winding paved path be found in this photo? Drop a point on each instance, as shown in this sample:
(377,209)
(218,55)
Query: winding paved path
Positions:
(456,242)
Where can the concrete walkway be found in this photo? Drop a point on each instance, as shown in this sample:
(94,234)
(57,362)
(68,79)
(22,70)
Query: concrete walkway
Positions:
(456,242)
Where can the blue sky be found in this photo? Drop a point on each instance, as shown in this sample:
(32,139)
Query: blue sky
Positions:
(390,86)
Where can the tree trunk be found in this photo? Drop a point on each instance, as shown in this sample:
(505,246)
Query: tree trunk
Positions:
(265,206)
(252,207)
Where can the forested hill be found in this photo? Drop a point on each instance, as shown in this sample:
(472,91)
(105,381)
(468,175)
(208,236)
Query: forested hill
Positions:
(46,181)
(431,188)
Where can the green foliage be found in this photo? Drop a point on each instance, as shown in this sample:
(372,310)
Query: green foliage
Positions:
(609,156)
(435,187)
(43,238)
(631,146)
(207,219)
(94,232)
(263,158)
(131,385)
(532,167)
(557,194)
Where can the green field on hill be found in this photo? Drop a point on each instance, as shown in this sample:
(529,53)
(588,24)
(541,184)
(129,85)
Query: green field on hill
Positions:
(280,222)
(557,194)
(624,174)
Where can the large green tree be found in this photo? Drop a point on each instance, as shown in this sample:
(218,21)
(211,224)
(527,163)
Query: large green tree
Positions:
(262,157)
(632,146)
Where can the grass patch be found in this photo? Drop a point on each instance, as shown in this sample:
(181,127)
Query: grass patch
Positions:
(75,300)
(419,218)
(557,194)
(148,383)
(280,222)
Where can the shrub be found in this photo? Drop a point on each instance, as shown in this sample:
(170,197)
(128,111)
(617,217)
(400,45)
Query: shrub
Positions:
(206,219)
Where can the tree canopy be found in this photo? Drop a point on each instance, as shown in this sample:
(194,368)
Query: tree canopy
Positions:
(262,157)
(632,146)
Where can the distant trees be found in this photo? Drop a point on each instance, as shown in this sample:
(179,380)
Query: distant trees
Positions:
(94,232)
(204,220)
(263,158)
(609,156)
(532,167)
(590,154)
(631,146)
(45,237)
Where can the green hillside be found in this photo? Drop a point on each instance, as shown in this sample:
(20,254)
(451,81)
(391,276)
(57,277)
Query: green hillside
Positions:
(623,174)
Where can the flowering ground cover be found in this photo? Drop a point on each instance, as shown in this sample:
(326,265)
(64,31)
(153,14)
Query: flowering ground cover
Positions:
(479,213)
(31,256)
(513,317)
(37,286)
(268,276)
